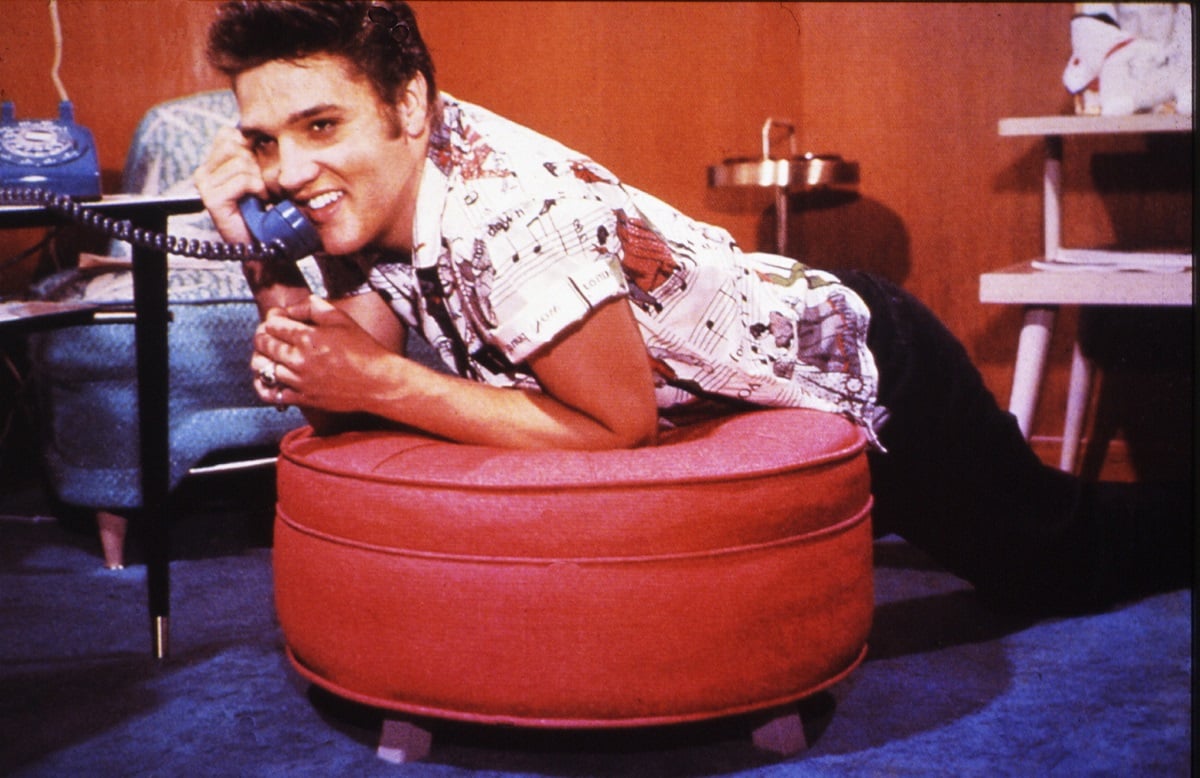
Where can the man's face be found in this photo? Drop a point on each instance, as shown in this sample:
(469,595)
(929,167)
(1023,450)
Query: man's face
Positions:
(324,140)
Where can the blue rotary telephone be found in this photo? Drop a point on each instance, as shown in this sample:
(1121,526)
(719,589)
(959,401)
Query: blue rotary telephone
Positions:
(55,154)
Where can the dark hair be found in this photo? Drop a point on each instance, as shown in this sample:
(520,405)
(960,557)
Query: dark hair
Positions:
(380,39)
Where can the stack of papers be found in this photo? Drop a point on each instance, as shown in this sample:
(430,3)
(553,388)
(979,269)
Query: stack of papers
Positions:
(1082,260)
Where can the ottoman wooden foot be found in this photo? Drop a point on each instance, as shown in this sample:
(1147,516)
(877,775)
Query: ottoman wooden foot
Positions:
(402,741)
(783,735)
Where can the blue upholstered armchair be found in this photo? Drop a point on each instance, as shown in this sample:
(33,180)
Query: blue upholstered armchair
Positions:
(85,376)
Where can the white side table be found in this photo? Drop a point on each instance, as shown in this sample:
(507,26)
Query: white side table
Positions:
(1083,277)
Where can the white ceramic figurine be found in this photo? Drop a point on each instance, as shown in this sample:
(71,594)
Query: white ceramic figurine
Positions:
(1144,65)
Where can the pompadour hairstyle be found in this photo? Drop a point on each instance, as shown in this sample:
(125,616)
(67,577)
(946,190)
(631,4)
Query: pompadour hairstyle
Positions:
(381,39)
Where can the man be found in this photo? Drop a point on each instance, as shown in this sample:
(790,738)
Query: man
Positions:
(578,312)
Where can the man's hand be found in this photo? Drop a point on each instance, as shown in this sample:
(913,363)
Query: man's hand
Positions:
(322,359)
(228,174)
(597,386)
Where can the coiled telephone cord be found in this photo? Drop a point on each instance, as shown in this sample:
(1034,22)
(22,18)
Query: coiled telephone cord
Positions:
(124,230)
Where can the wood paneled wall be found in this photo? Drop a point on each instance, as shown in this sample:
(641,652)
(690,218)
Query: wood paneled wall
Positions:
(659,91)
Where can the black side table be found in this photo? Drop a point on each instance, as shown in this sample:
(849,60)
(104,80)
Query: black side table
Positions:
(151,319)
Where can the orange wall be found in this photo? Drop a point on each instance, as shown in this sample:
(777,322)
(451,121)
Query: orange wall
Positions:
(659,91)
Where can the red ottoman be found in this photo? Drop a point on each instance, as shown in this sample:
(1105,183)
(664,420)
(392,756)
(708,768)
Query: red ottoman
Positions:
(725,570)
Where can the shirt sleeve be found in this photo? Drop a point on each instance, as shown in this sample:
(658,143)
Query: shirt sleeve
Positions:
(539,270)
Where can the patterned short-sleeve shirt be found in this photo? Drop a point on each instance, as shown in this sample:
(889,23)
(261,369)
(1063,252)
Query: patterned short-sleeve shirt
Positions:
(517,238)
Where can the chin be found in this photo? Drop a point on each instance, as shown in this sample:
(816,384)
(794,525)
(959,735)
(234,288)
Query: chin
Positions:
(340,245)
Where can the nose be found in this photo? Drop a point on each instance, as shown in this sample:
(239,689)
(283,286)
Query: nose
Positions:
(293,170)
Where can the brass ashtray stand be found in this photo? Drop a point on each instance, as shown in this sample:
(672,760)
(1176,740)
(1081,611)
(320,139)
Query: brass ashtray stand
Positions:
(797,172)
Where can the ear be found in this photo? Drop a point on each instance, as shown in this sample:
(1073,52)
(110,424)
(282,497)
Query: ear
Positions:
(413,106)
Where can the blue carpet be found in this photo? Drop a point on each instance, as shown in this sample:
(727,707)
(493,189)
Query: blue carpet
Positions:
(948,689)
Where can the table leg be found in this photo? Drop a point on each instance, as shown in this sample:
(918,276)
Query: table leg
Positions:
(1052,197)
(1032,347)
(150,328)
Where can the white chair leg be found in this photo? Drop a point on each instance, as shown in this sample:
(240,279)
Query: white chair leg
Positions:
(1032,346)
(1078,392)
(402,741)
(783,735)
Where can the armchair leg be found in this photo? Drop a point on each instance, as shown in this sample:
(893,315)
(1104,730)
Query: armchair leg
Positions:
(112,538)
(402,741)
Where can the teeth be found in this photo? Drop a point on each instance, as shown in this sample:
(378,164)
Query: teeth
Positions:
(320,201)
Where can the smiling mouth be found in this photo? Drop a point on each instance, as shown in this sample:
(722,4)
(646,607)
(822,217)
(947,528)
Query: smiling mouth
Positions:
(324,200)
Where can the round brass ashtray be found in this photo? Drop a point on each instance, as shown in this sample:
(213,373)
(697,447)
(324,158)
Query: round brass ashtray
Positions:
(794,172)
(809,171)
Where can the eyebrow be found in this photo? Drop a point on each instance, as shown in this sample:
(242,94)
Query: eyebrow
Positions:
(295,118)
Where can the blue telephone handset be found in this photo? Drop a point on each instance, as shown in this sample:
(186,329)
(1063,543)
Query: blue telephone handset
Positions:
(282,224)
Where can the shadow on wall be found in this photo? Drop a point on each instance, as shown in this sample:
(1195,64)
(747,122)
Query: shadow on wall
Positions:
(828,229)
(1148,192)
(836,230)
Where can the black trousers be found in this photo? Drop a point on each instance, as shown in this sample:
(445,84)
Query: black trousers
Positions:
(959,481)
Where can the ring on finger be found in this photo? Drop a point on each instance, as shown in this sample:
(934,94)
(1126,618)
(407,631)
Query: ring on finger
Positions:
(267,375)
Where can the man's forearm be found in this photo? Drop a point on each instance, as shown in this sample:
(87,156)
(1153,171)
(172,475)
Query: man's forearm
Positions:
(476,413)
